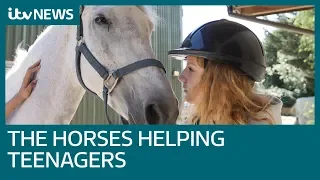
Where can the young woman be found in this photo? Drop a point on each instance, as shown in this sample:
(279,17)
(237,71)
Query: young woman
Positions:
(26,89)
(224,60)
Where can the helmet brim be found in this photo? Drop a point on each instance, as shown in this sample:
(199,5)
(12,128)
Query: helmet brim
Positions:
(182,53)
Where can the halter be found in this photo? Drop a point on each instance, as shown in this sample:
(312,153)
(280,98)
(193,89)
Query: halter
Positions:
(110,78)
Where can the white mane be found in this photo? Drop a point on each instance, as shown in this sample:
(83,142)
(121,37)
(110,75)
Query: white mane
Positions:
(21,54)
(151,13)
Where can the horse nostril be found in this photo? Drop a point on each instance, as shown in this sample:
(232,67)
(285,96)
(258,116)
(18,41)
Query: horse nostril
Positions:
(153,114)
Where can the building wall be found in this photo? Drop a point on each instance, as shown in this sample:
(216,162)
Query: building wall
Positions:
(168,36)
(91,110)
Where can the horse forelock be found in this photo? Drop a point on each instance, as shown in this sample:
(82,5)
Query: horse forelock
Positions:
(151,13)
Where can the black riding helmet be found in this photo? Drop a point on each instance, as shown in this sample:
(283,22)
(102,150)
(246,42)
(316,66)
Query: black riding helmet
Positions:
(224,41)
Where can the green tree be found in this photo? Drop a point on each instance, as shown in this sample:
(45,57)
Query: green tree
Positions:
(290,58)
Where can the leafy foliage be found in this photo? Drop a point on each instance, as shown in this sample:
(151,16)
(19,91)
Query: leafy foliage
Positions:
(290,58)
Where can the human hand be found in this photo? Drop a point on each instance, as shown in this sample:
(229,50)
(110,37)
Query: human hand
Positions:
(29,83)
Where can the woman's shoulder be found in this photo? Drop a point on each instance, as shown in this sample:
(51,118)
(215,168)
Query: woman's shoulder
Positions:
(273,111)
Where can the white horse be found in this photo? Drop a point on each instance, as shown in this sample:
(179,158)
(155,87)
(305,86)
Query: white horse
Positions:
(142,97)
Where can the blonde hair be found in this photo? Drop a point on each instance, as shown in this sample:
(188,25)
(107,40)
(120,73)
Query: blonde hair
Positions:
(228,97)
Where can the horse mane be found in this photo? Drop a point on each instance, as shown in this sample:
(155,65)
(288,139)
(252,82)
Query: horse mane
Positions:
(21,53)
(151,13)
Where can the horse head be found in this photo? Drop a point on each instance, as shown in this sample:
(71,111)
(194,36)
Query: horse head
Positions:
(118,37)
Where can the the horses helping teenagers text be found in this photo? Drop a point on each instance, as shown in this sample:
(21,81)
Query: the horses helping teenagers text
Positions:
(117,37)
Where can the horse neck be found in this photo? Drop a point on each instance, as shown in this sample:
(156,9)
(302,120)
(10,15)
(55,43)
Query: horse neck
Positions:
(58,93)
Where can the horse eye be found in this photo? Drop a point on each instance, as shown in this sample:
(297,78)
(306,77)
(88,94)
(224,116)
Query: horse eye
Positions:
(101,20)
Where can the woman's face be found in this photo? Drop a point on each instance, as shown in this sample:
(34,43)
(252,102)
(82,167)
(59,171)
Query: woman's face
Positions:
(190,77)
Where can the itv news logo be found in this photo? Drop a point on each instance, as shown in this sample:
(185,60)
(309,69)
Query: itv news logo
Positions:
(40,14)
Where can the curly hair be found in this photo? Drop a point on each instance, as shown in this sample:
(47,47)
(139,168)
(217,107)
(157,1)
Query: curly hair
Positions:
(228,96)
